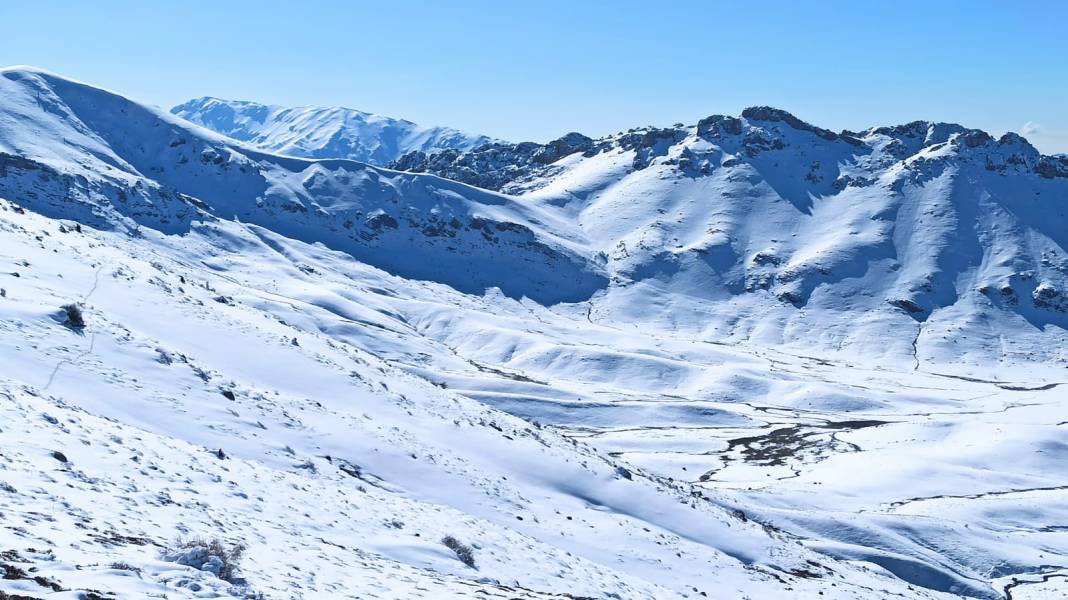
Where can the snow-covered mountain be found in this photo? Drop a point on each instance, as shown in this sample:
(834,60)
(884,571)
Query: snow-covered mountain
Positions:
(893,240)
(321,132)
(73,151)
(748,358)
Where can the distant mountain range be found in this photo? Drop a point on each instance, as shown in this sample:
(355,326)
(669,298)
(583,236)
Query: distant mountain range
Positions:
(321,132)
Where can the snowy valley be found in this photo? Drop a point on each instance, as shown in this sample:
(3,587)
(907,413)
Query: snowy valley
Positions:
(744,358)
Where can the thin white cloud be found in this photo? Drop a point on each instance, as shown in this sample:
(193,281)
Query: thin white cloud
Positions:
(1047,140)
(1030,128)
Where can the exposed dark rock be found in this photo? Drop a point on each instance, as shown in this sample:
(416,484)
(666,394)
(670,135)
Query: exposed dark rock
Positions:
(1048,297)
(717,126)
(974,138)
(381,221)
(909,130)
(845,181)
(907,305)
(757,141)
(774,115)
(766,258)
(565,146)
(495,166)
(1052,167)
(1011,138)
(12,572)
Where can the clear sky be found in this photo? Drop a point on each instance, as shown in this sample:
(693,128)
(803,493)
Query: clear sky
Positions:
(536,69)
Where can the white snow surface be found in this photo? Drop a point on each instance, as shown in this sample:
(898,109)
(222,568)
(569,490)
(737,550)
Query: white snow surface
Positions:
(323,132)
(338,365)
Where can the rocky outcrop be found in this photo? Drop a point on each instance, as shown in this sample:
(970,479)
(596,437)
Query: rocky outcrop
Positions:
(497,166)
(776,115)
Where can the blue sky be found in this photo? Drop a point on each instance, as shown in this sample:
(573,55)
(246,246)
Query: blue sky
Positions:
(535,70)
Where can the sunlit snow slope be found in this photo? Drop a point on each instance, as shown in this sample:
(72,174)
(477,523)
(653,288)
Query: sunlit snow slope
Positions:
(927,241)
(592,379)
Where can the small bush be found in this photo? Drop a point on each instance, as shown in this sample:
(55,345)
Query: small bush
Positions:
(462,550)
(125,566)
(75,318)
(213,556)
(13,572)
(48,583)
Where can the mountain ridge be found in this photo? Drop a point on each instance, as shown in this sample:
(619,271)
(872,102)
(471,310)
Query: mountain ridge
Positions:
(321,132)
(109,155)
(930,133)
(896,206)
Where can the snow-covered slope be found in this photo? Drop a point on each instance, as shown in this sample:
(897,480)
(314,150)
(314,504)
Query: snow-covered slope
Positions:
(71,150)
(896,241)
(198,402)
(320,132)
(547,378)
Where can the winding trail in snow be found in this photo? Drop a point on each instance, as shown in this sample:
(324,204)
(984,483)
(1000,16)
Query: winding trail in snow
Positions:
(92,336)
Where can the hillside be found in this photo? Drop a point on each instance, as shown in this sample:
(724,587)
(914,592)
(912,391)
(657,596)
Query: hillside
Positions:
(919,242)
(73,151)
(590,376)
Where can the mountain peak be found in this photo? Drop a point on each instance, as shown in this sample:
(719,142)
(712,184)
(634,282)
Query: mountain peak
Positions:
(770,113)
(28,70)
(778,115)
(20,72)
